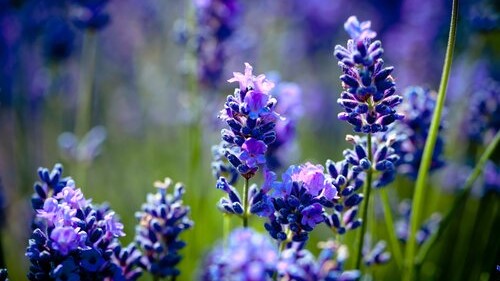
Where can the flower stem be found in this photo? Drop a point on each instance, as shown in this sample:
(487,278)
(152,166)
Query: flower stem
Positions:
(389,222)
(245,203)
(366,201)
(459,202)
(418,198)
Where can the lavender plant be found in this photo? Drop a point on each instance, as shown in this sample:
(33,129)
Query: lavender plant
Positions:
(162,219)
(72,239)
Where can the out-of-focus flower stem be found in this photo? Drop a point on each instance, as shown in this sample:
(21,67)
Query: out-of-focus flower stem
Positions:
(418,197)
(366,202)
(459,202)
(84,107)
(245,203)
(389,222)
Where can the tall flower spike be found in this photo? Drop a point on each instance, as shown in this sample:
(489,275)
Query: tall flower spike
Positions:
(300,264)
(384,162)
(369,98)
(247,256)
(251,117)
(162,219)
(347,181)
(297,202)
(72,239)
(412,132)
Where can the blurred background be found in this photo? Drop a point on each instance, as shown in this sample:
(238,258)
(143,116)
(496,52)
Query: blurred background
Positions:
(127,92)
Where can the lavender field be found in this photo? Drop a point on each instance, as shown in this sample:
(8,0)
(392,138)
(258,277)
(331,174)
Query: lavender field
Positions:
(237,140)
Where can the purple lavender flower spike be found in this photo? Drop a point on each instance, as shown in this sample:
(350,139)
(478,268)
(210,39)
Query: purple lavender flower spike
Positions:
(412,132)
(221,166)
(251,117)
(248,256)
(402,225)
(233,203)
(375,255)
(129,259)
(300,264)
(297,202)
(369,98)
(72,239)
(347,181)
(384,161)
(162,219)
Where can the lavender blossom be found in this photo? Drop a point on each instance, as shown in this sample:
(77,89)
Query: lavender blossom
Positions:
(217,21)
(162,219)
(300,264)
(369,98)
(402,225)
(384,162)
(347,181)
(251,117)
(247,256)
(72,239)
(296,203)
(4,275)
(220,166)
(412,132)
(129,260)
(375,255)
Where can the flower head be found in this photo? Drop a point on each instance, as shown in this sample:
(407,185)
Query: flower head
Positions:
(248,256)
(251,117)
(369,98)
(162,219)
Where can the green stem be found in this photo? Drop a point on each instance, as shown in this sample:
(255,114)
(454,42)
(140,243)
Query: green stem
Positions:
(84,107)
(366,202)
(245,203)
(419,193)
(389,222)
(459,202)
(226,225)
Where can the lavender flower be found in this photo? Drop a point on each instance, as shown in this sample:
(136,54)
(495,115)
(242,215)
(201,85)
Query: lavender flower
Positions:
(300,264)
(72,239)
(297,202)
(162,219)
(347,181)
(247,256)
(412,133)
(217,20)
(251,117)
(369,98)
(375,255)
(90,14)
(129,260)
(402,225)
(290,96)
(384,162)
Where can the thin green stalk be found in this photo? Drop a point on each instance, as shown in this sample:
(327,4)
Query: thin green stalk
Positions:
(245,203)
(418,198)
(459,202)
(366,202)
(389,222)
(226,226)
(84,107)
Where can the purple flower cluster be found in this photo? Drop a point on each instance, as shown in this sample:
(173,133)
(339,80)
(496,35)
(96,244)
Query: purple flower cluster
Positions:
(300,264)
(290,97)
(375,255)
(347,181)
(369,98)
(296,204)
(90,14)
(251,117)
(385,158)
(233,203)
(402,225)
(220,166)
(412,132)
(217,20)
(247,256)
(162,219)
(72,239)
